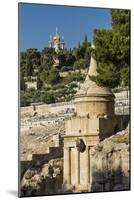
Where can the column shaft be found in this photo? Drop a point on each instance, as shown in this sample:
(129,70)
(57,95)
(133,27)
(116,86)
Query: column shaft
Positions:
(67,175)
(87,165)
(77,159)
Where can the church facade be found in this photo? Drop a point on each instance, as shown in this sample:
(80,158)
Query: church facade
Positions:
(56,42)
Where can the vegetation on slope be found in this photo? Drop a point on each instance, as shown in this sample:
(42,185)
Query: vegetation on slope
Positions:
(112,54)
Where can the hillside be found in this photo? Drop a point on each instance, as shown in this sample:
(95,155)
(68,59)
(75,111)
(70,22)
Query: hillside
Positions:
(50,76)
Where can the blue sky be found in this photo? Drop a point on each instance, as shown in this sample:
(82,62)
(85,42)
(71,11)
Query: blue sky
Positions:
(37,22)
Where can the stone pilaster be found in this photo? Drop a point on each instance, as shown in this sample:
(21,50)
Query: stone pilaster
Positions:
(67,165)
(77,159)
(87,164)
(67,169)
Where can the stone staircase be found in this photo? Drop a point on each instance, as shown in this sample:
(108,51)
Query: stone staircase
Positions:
(54,152)
(40,159)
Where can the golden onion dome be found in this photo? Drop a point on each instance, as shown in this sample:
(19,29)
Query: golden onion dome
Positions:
(56,37)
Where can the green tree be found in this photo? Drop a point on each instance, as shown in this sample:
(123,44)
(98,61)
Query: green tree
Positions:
(82,54)
(22,82)
(124,73)
(62,58)
(39,83)
(75,76)
(29,62)
(53,77)
(70,59)
(80,64)
(108,75)
(24,99)
(113,49)
(32,61)
(23,63)
(48,97)
(50,76)
(47,60)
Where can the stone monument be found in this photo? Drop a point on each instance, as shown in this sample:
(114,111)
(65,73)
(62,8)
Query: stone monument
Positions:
(93,121)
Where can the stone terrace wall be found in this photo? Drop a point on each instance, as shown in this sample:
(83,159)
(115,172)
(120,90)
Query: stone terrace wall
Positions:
(45,108)
(121,105)
(54,152)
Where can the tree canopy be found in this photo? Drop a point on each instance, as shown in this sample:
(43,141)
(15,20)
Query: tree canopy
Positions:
(113,50)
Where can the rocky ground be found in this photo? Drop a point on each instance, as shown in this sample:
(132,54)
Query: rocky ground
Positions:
(111,172)
(43,180)
(38,139)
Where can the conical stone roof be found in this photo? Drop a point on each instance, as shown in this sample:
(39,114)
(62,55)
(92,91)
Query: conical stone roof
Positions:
(89,87)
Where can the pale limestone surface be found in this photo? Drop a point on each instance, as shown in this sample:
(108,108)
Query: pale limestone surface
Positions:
(112,170)
(92,121)
(108,168)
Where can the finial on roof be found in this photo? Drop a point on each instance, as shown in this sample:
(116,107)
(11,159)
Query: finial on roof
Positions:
(90,87)
(93,65)
(92,45)
(56,29)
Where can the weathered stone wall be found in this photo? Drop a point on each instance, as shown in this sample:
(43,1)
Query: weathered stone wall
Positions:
(121,122)
(122,95)
(40,159)
(110,165)
(109,169)
(54,152)
(45,108)
(29,110)
(43,180)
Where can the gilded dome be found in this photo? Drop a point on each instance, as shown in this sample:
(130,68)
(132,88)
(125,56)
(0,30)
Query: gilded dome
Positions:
(56,37)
